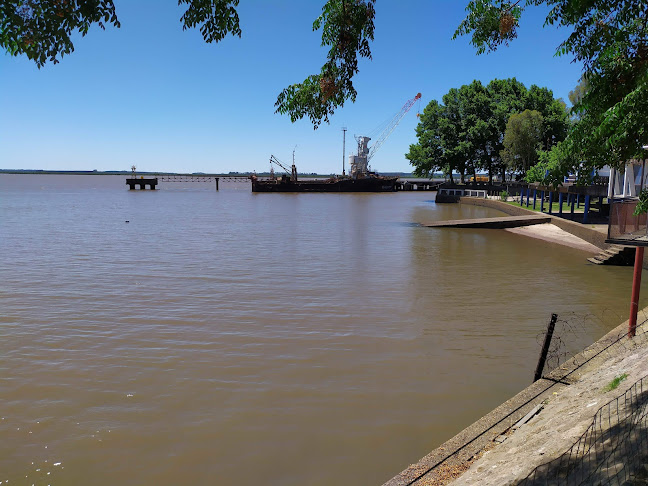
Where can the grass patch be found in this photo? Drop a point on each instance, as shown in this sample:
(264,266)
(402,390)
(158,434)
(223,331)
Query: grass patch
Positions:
(615,383)
(554,207)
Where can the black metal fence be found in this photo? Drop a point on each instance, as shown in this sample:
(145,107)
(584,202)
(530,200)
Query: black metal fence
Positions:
(573,333)
(614,448)
(612,451)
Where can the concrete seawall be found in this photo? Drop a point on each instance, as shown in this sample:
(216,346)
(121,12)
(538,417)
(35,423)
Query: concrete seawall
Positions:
(452,458)
(584,232)
(455,456)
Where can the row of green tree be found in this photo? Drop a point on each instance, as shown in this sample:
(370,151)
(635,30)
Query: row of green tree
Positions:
(498,128)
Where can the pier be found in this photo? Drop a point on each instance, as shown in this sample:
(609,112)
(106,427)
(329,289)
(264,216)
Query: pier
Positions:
(417,185)
(142,183)
(152,182)
(495,223)
(189,178)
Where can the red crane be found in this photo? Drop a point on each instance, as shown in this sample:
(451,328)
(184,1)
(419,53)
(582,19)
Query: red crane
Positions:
(392,125)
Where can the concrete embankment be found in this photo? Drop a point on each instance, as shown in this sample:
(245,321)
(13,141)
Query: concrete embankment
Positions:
(583,231)
(538,424)
(545,419)
(594,234)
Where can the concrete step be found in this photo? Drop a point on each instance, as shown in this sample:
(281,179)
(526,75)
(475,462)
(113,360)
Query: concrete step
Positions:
(614,255)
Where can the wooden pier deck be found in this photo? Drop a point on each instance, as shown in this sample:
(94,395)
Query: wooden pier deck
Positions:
(495,223)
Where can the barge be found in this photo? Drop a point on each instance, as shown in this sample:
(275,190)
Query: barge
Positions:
(360,179)
(372,183)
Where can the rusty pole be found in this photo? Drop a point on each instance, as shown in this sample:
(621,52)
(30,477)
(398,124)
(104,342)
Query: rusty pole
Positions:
(636,284)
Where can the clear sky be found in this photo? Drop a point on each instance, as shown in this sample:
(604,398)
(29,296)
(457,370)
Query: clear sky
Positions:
(154,96)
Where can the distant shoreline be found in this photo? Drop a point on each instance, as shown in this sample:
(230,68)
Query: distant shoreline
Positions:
(144,173)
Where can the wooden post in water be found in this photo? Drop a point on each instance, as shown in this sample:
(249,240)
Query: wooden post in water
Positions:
(545,347)
(217,183)
(636,284)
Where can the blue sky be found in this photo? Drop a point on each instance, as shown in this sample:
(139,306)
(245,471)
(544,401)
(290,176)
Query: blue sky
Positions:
(154,96)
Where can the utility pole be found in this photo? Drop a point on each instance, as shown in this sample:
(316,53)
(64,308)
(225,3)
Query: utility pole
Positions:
(344,129)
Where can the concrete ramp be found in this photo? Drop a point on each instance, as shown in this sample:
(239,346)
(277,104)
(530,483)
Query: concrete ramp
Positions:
(495,223)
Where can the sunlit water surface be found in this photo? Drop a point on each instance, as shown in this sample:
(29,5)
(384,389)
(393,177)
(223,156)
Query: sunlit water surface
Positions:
(283,339)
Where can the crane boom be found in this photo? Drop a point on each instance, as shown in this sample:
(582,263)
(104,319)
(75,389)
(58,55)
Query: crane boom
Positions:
(392,125)
(274,160)
(292,171)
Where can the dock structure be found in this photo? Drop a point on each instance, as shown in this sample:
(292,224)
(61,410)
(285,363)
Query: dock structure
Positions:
(494,223)
(417,185)
(142,183)
(203,178)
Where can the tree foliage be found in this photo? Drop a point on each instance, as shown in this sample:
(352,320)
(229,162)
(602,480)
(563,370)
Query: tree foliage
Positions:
(578,93)
(523,140)
(610,38)
(347,29)
(42,30)
(492,23)
(548,170)
(465,132)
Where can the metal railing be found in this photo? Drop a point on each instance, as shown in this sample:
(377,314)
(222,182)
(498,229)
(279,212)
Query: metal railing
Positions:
(624,226)
(616,443)
(612,451)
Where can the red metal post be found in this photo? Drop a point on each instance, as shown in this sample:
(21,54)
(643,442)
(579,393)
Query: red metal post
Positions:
(636,284)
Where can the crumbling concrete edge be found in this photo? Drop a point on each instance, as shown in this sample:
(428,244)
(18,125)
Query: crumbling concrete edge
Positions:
(463,448)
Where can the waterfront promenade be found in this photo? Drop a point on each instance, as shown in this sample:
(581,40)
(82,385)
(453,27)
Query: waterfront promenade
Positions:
(542,422)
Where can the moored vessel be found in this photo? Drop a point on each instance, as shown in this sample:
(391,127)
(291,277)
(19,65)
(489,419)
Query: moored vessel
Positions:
(373,183)
(360,179)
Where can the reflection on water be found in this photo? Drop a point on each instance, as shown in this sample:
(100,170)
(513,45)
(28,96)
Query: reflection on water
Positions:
(237,338)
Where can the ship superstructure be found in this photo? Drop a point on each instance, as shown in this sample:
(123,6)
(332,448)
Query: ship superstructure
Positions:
(359,164)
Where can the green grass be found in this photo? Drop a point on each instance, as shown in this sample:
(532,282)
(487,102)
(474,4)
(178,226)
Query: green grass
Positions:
(615,383)
(554,207)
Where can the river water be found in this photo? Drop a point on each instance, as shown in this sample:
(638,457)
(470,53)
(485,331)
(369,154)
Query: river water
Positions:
(283,339)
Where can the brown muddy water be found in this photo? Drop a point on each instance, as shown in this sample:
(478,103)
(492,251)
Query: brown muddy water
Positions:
(281,339)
